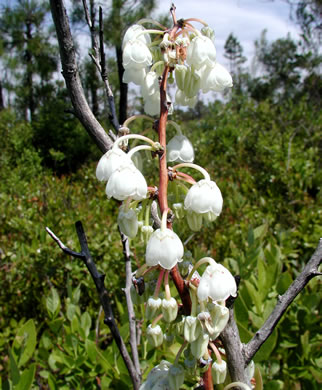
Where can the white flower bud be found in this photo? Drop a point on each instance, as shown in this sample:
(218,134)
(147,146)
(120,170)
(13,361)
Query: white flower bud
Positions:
(219,372)
(180,74)
(180,149)
(194,221)
(169,309)
(199,346)
(250,371)
(216,283)
(164,248)
(154,335)
(192,329)
(152,307)
(220,316)
(176,376)
(178,210)
(182,100)
(150,85)
(127,221)
(158,377)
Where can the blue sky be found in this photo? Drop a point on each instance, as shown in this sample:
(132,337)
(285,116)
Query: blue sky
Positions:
(245,18)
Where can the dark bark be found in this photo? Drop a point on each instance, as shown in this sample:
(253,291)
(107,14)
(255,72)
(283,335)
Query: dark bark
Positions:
(123,86)
(1,97)
(98,279)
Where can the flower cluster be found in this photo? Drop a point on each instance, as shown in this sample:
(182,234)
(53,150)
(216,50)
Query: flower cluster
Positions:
(187,55)
(190,55)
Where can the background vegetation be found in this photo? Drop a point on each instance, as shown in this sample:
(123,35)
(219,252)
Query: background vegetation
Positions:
(261,143)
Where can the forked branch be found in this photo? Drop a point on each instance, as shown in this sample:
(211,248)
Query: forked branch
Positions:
(284,301)
(98,279)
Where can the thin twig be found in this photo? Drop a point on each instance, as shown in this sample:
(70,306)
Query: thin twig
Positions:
(98,279)
(129,303)
(309,272)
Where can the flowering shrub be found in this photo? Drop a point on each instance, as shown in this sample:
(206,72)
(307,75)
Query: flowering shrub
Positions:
(150,58)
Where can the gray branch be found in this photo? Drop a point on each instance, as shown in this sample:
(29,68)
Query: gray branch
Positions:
(284,301)
(72,79)
(98,279)
(234,349)
(129,303)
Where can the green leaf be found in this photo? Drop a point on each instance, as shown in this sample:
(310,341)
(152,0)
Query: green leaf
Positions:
(14,371)
(24,343)
(267,348)
(255,296)
(56,325)
(53,303)
(76,295)
(245,334)
(52,382)
(86,323)
(284,282)
(105,383)
(71,310)
(260,231)
(27,378)
(262,278)
(317,374)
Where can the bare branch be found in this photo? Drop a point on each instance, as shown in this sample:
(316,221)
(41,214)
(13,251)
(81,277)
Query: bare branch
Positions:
(309,272)
(72,79)
(98,279)
(129,303)
(233,348)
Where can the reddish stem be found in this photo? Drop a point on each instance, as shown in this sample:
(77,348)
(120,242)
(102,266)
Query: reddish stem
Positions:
(207,377)
(163,170)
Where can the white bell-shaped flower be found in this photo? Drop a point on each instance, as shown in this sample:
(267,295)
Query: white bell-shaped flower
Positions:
(154,335)
(110,161)
(150,85)
(215,78)
(133,75)
(128,221)
(180,74)
(176,376)
(216,283)
(182,100)
(132,34)
(192,83)
(136,55)
(204,197)
(219,372)
(201,51)
(180,149)
(158,377)
(126,181)
(164,248)
(152,104)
